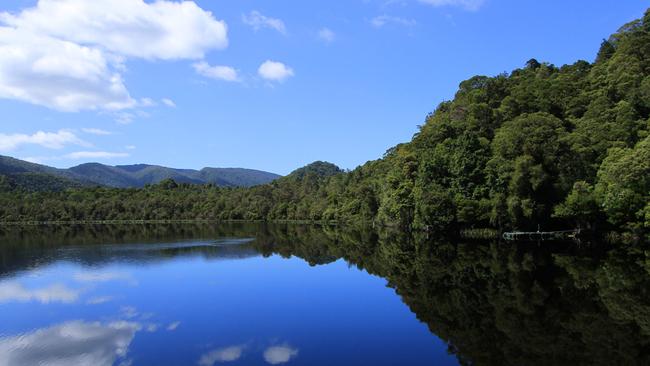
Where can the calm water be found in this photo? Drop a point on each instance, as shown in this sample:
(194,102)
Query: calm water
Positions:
(260,295)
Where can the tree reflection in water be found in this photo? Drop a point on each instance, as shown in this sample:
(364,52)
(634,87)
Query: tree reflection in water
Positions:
(493,303)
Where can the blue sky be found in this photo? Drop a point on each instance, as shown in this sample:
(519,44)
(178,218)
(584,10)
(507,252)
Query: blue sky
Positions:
(270,85)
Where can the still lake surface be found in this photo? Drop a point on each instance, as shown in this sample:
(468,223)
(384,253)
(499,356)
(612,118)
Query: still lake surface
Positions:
(248,294)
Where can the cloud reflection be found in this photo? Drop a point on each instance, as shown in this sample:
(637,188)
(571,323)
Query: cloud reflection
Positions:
(72,343)
(129,312)
(103,277)
(173,326)
(226,354)
(280,354)
(14,291)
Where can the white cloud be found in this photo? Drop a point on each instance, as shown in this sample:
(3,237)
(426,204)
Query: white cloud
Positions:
(95,155)
(71,343)
(226,354)
(168,102)
(382,20)
(13,291)
(58,74)
(147,102)
(280,354)
(96,131)
(130,147)
(326,35)
(226,73)
(99,300)
(257,21)
(124,118)
(79,155)
(50,140)
(68,54)
(275,71)
(34,159)
(162,29)
(471,5)
(173,326)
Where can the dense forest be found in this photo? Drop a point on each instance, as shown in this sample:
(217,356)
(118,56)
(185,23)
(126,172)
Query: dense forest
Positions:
(545,145)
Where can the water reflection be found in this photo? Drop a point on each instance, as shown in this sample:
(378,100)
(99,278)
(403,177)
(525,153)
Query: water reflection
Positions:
(71,343)
(99,276)
(490,303)
(274,355)
(13,291)
(173,326)
(280,354)
(28,248)
(226,354)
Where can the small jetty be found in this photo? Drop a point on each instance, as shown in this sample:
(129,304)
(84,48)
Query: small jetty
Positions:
(541,235)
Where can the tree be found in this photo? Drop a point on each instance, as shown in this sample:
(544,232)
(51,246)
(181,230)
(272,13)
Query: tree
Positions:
(623,186)
(530,165)
(580,205)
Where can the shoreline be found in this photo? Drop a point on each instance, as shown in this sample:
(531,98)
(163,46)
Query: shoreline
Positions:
(171,221)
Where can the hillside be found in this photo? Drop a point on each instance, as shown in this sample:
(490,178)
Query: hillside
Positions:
(17,173)
(557,146)
(22,173)
(318,168)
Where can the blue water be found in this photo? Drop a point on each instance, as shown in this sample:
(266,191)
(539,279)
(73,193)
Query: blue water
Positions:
(210,302)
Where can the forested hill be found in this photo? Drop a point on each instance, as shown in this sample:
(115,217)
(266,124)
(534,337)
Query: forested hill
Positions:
(543,144)
(35,177)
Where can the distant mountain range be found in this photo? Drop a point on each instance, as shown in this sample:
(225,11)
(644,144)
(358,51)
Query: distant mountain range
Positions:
(41,177)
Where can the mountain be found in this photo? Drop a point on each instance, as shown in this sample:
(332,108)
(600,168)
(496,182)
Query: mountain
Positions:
(237,177)
(36,177)
(317,168)
(105,175)
(12,166)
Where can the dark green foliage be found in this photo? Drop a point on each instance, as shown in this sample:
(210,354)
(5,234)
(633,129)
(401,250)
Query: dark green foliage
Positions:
(236,177)
(543,145)
(318,168)
(624,184)
(40,182)
(581,204)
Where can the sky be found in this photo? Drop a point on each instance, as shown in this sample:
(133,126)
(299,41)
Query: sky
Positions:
(269,85)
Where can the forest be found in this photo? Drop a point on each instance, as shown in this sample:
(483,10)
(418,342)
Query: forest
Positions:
(543,145)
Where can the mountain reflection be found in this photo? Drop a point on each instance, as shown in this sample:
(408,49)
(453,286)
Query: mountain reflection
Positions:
(28,247)
(492,303)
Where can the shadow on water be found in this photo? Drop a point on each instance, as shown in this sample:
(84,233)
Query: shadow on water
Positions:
(494,303)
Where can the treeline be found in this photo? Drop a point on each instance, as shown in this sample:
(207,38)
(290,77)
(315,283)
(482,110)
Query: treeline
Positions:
(541,145)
